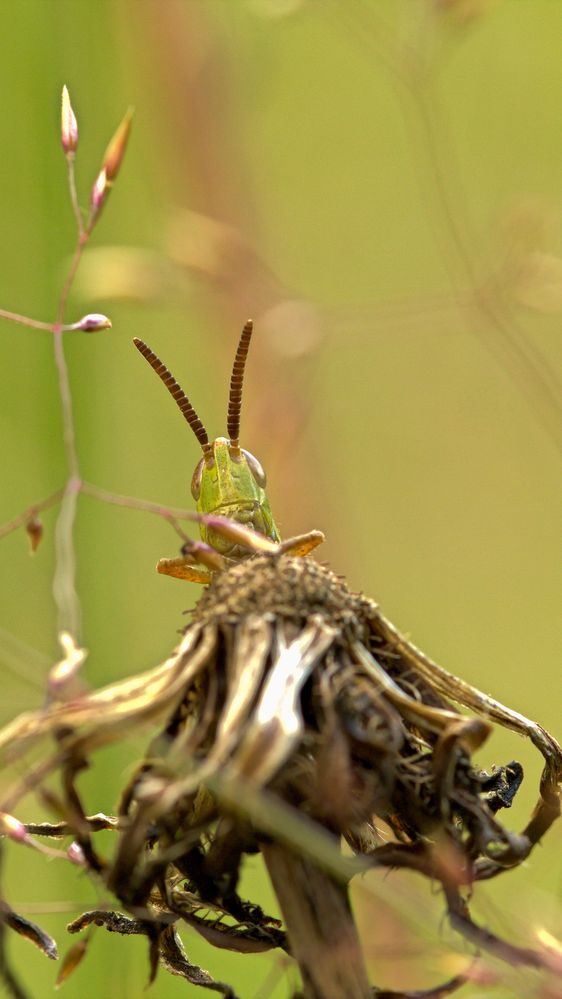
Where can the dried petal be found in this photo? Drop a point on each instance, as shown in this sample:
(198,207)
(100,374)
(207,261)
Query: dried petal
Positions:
(30,931)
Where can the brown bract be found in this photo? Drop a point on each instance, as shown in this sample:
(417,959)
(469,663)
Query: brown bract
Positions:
(292,715)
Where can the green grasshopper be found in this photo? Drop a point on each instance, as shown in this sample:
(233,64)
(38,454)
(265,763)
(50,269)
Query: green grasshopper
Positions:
(228,482)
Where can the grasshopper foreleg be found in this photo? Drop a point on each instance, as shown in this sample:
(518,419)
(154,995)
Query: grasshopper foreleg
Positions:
(195,564)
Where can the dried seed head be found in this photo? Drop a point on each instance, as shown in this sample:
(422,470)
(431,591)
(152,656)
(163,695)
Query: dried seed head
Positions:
(69,125)
(115,151)
(289,587)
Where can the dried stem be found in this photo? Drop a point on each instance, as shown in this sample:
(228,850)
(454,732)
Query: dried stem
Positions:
(322,933)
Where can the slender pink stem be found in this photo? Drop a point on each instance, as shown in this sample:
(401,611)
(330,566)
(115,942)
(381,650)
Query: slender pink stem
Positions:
(171,514)
(73,194)
(64,588)
(35,324)
(31,511)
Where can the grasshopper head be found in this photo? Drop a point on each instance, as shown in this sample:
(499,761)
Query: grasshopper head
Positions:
(242,467)
(228,479)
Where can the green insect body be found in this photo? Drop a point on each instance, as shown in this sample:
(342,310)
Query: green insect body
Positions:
(228,482)
(232,485)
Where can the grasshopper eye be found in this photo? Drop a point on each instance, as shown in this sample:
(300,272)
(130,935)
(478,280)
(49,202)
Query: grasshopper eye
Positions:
(196,479)
(255,468)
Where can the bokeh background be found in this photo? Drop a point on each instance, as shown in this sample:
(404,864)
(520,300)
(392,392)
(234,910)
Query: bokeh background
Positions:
(376,183)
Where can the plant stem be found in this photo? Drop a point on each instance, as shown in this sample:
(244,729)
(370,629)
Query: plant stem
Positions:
(35,324)
(74,195)
(322,933)
(64,588)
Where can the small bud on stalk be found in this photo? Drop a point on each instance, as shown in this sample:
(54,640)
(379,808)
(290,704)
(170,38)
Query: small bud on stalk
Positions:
(90,323)
(69,125)
(13,828)
(111,165)
(75,854)
(116,149)
(99,192)
(34,530)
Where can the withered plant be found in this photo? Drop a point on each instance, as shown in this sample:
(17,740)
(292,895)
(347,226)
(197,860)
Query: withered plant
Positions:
(291,718)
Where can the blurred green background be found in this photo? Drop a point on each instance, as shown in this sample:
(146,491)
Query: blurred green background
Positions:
(378,185)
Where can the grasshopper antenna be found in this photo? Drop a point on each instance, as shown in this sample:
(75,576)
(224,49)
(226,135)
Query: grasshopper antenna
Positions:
(236,382)
(179,395)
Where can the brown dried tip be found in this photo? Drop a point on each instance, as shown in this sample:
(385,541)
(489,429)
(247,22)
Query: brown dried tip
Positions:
(68,125)
(71,960)
(34,531)
(115,151)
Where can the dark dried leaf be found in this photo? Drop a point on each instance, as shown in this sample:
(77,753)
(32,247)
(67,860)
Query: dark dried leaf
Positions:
(29,930)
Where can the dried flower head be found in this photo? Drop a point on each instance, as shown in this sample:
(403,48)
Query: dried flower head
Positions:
(294,713)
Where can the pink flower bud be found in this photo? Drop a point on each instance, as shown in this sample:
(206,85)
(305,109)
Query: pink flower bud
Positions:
(99,191)
(13,828)
(93,322)
(69,125)
(75,853)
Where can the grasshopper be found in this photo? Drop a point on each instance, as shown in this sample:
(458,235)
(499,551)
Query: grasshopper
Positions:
(228,482)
